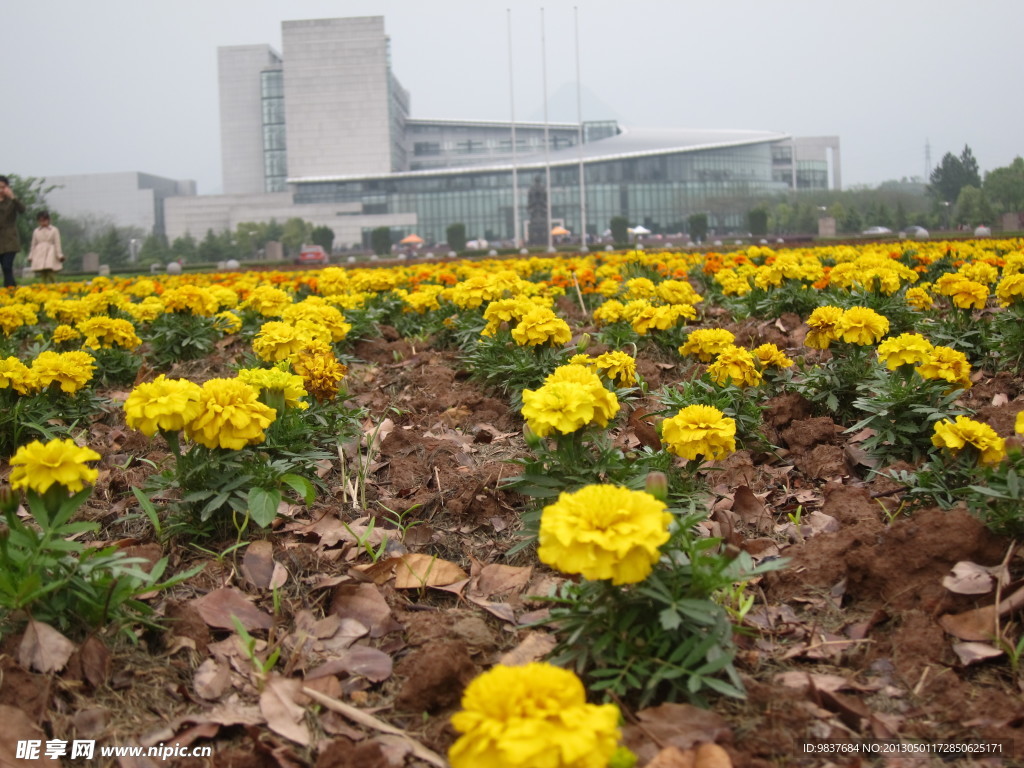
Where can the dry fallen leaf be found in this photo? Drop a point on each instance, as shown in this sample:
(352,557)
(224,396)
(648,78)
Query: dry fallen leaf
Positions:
(415,571)
(751,509)
(972,653)
(43,648)
(211,680)
(534,646)
(968,578)
(18,728)
(219,606)
(95,661)
(365,604)
(979,625)
(283,715)
(258,563)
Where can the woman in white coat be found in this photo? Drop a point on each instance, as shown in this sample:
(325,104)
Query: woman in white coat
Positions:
(45,256)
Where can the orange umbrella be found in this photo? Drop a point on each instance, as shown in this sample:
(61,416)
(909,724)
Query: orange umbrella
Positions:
(559,230)
(411,240)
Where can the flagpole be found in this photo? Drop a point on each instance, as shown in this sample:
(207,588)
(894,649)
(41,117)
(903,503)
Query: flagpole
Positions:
(516,226)
(547,142)
(579,137)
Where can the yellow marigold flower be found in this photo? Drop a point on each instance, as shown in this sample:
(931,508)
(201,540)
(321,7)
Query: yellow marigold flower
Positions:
(734,365)
(65,333)
(618,366)
(968,294)
(190,299)
(948,364)
(165,405)
(1010,289)
(1018,425)
(678,292)
(770,356)
(148,310)
(532,716)
(919,298)
(228,321)
(956,435)
(505,311)
(267,301)
(541,326)
(108,332)
(324,316)
(573,400)
(707,343)
(230,416)
(37,466)
(15,375)
(861,325)
(14,316)
(72,370)
(661,318)
(609,312)
(604,532)
(823,322)
(979,272)
(320,371)
(290,385)
(277,340)
(700,430)
(582,359)
(905,349)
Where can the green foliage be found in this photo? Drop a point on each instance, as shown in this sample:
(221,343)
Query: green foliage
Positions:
(619,225)
(662,639)
(324,237)
(295,233)
(380,241)
(953,174)
(902,409)
(47,572)
(154,250)
(1005,186)
(216,247)
(456,236)
(757,221)
(697,224)
(998,496)
(32,192)
(176,336)
(499,362)
(185,248)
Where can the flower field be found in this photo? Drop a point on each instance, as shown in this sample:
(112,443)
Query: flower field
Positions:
(659,509)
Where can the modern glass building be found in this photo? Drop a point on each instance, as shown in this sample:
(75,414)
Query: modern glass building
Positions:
(654,178)
(326,127)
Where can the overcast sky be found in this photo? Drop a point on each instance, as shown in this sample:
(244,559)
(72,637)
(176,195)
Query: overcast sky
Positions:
(131,85)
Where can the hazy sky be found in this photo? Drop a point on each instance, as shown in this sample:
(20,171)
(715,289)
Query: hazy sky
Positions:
(131,85)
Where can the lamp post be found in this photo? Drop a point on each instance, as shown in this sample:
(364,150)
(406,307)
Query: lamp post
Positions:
(946,204)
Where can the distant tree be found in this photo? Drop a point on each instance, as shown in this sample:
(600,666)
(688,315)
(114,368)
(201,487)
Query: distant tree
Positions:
(274,231)
(32,192)
(154,250)
(456,234)
(294,234)
(697,224)
(968,207)
(112,247)
(184,248)
(216,247)
(884,215)
(953,174)
(757,221)
(380,241)
(619,226)
(900,218)
(852,221)
(250,237)
(324,237)
(1004,187)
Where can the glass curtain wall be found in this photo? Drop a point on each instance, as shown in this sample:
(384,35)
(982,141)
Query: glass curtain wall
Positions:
(275,158)
(658,191)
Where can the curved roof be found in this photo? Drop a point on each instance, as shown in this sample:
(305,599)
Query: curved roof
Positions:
(630,143)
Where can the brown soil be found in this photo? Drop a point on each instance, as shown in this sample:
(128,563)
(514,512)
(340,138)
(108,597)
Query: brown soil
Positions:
(860,600)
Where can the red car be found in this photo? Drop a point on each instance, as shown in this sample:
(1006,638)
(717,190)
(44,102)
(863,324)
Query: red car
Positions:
(312,255)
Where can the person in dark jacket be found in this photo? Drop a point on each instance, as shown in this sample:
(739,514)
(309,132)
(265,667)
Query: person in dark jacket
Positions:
(10,243)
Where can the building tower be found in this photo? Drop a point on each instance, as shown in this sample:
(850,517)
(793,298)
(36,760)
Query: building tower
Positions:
(252,159)
(345,112)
